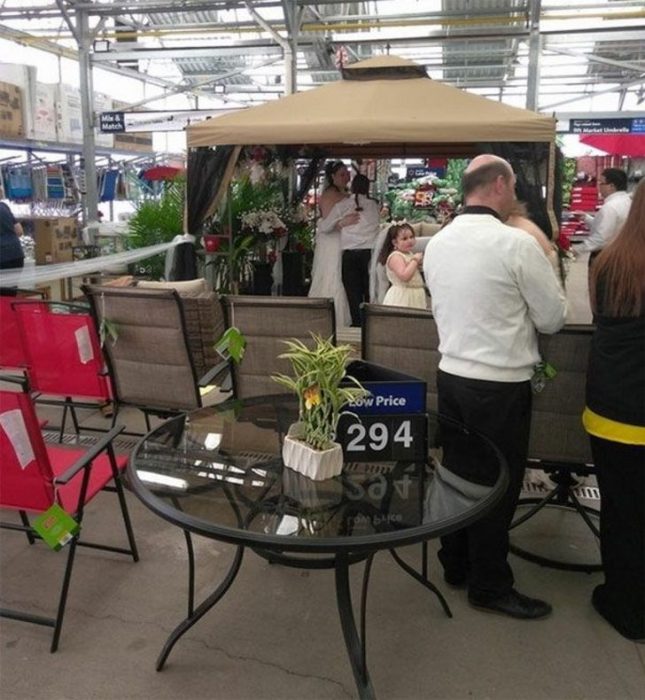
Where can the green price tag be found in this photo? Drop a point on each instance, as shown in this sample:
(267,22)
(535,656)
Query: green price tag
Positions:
(231,344)
(56,527)
(549,371)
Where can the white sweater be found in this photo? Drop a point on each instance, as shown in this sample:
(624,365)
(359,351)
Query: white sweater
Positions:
(492,286)
(608,221)
(362,234)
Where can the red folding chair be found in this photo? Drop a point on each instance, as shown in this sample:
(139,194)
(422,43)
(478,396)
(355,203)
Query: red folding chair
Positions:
(64,356)
(35,475)
(12,351)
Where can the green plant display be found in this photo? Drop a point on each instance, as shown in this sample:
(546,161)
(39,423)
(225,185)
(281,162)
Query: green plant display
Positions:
(257,194)
(158,221)
(569,167)
(318,374)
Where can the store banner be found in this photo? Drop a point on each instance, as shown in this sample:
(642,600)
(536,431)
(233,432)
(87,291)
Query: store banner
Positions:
(605,126)
(155,120)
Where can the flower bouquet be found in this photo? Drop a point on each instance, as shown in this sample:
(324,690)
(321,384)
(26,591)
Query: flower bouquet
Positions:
(267,228)
(320,383)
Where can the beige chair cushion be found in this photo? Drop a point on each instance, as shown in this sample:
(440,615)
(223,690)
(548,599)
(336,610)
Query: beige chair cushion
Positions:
(188,288)
(424,228)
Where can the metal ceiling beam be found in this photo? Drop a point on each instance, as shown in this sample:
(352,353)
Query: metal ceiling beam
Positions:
(192,87)
(155,7)
(593,58)
(25,39)
(238,49)
(589,95)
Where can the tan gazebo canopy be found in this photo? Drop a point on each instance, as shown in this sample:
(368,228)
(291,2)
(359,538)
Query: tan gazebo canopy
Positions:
(385,105)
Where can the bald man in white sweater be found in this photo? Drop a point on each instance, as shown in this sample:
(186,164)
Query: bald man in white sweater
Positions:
(492,290)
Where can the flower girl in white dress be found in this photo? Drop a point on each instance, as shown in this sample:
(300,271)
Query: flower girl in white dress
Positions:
(403,268)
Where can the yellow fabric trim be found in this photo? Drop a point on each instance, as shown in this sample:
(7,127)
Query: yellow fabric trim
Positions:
(612,430)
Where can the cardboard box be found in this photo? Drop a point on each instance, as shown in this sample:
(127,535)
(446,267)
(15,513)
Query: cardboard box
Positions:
(55,238)
(69,121)
(11,121)
(141,141)
(44,116)
(24,77)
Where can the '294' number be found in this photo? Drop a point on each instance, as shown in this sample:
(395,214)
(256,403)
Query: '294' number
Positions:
(376,436)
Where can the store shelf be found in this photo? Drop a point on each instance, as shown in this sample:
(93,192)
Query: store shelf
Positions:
(60,147)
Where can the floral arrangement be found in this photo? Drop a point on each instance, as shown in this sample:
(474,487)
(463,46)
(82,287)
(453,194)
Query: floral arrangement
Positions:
(266,226)
(322,386)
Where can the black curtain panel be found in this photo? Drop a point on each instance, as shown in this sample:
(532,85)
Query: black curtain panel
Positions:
(307,178)
(204,177)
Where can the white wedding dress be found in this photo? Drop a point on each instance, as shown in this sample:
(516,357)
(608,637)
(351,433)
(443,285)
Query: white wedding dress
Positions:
(326,271)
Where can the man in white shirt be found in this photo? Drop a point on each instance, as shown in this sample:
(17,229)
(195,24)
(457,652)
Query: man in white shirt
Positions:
(613,213)
(492,287)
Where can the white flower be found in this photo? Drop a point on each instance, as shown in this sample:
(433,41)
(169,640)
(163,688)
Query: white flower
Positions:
(264,221)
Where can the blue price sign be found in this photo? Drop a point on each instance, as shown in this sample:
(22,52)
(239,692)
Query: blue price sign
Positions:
(391,398)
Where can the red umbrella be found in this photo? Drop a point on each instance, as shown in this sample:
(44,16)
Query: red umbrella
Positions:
(161,172)
(617,144)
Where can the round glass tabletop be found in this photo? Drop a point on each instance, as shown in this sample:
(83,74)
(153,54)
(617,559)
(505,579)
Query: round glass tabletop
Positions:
(218,472)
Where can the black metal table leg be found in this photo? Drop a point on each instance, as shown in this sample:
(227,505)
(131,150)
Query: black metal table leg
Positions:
(202,608)
(422,579)
(355,645)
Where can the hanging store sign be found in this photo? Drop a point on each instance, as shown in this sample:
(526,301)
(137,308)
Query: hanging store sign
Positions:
(110,122)
(156,120)
(607,126)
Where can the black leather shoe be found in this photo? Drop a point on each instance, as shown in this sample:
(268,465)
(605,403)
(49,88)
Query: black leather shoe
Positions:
(514,604)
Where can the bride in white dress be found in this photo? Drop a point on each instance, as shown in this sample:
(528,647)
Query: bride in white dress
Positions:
(337,210)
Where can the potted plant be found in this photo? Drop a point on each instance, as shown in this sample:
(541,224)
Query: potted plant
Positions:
(157,221)
(321,384)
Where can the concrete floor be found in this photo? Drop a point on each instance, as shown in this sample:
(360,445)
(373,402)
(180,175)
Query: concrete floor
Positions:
(276,633)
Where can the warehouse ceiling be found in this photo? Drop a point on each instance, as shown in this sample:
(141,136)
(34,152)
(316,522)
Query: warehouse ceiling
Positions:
(236,52)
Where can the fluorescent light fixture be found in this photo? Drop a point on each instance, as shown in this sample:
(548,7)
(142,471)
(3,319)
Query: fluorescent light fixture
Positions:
(101,46)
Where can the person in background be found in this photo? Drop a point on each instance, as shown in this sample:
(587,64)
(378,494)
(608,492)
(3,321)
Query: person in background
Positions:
(614,417)
(403,268)
(11,254)
(326,277)
(357,241)
(519,218)
(611,216)
(492,288)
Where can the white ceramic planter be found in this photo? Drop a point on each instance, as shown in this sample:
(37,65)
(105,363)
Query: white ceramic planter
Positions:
(315,464)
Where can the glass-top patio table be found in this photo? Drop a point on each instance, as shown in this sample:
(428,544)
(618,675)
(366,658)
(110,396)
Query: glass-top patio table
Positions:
(218,473)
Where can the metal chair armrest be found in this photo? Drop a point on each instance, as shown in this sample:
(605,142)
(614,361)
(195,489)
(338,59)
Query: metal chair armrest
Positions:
(89,456)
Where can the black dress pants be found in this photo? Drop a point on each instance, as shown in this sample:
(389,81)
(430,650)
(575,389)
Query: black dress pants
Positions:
(502,412)
(13,264)
(620,470)
(356,280)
